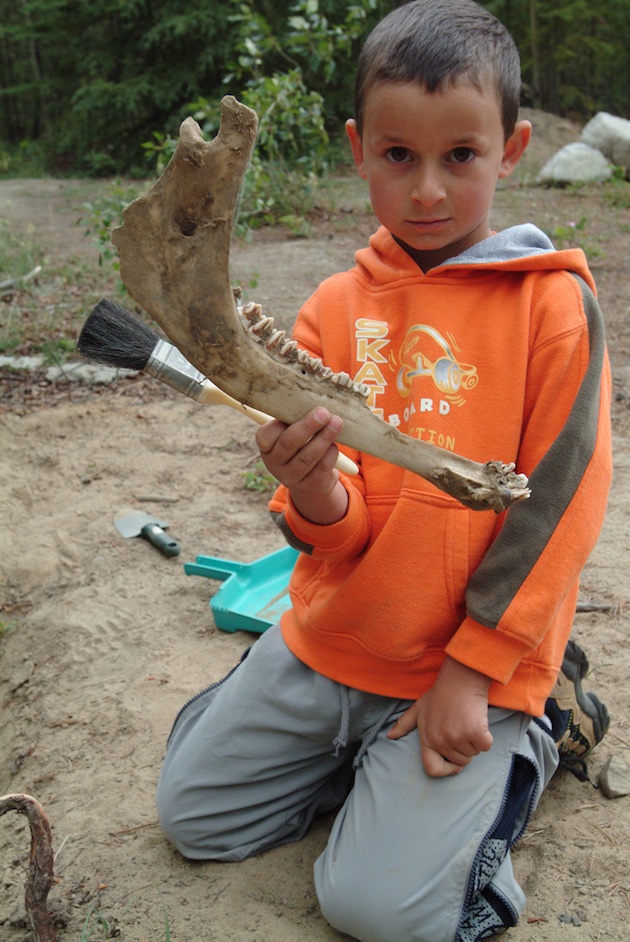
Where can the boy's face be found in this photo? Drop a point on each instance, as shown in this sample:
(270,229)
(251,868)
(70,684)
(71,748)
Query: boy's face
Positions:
(432,162)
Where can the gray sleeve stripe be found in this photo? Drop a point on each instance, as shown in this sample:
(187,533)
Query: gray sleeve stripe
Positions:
(280,521)
(530,525)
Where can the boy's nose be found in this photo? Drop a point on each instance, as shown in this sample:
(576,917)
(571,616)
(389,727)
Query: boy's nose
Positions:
(427,188)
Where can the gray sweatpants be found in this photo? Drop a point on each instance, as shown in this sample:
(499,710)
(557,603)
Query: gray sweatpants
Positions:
(410,858)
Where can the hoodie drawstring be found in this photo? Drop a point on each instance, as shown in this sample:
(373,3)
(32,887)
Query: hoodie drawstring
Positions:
(341,739)
(373,733)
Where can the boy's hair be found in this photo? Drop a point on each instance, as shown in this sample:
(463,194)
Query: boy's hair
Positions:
(438,42)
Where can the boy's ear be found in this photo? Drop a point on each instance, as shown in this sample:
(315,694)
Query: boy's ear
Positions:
(515,148)
(356,145)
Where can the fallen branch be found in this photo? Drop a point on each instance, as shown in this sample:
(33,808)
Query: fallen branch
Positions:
(20,279)
(40,870)
(594,607)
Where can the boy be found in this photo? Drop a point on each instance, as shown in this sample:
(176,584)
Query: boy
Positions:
(411,679)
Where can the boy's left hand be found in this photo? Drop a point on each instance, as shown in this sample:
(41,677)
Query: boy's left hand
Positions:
(451,719)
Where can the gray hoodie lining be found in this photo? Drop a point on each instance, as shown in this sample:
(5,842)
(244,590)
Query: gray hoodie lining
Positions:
(521,241)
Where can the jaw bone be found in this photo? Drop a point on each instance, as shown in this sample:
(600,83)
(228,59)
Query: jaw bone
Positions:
(174,259)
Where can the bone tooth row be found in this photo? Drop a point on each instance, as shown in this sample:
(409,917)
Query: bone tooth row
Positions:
(314,364)
(287,347)
(278,342)
(275,337)
(341,379)
(260,324)
(251,309)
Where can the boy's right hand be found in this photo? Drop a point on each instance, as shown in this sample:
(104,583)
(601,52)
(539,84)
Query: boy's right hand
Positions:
(302,456)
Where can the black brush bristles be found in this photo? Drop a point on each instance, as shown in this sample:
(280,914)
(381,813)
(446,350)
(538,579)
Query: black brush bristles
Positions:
(116,337)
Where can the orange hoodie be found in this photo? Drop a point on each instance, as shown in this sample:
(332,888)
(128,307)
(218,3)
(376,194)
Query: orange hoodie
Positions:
(497,354)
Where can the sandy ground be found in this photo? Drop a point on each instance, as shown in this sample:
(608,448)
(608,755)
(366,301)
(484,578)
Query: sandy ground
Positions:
(106,638)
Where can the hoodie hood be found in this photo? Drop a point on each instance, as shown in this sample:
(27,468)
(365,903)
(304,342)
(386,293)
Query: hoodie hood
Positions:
(519,248)
(510,245)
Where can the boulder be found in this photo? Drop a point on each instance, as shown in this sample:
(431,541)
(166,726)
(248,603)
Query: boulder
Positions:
(614,778)
(576,163)
(609,134)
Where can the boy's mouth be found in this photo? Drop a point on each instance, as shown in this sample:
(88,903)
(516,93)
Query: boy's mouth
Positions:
(427,223)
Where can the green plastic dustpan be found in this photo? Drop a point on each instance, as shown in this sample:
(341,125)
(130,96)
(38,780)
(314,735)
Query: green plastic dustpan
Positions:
(253,595)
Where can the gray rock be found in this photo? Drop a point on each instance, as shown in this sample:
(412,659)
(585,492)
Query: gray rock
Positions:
(614,778)
(84,373)
(22,363)
(576,163)
(605,131)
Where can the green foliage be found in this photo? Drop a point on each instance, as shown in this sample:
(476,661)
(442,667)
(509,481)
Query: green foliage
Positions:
(56,350)
(110,928)
(574,234)
(19,253)
(104,213)
(567,234)
(5,628)
(617,189)
(290,151)
(259,480)
(91,81)
(96,921)
(270,70)
(574,53)
(23,160)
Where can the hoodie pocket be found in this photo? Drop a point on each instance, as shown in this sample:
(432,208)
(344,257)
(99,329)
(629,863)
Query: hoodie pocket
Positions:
(405,593)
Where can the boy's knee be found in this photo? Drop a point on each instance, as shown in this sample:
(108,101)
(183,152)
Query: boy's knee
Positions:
(193,829)
(372,913)
(198,837)
(180,829)
(372,903)
(350,913)
(206,823)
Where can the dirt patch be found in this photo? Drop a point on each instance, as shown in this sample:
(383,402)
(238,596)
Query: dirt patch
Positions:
(106,639)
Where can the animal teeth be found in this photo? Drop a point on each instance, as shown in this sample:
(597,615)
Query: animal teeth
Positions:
(341,379)
(288,347)
(260,327)
(277,336)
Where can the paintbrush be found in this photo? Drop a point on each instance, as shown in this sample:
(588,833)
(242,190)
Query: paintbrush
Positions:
(114,336)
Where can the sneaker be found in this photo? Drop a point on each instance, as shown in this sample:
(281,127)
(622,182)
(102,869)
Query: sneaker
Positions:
(578,720)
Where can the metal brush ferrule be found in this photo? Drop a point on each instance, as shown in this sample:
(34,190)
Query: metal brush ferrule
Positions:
(170,366)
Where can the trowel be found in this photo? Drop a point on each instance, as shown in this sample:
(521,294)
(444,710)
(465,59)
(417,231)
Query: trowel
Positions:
(137,523)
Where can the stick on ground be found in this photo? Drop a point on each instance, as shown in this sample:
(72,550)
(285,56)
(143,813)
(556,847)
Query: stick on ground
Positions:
(40,870)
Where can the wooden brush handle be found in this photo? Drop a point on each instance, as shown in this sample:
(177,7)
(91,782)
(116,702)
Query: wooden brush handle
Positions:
(212,395)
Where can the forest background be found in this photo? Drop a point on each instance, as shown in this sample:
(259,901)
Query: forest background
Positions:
(95,87)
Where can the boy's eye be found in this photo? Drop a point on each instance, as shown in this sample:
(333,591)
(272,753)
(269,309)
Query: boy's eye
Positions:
(461,155)
(398,155)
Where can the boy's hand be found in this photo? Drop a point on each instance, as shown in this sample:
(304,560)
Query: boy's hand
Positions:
(451,718)
(302,456)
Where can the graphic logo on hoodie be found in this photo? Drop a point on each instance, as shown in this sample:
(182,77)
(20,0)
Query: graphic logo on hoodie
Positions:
(425,352)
